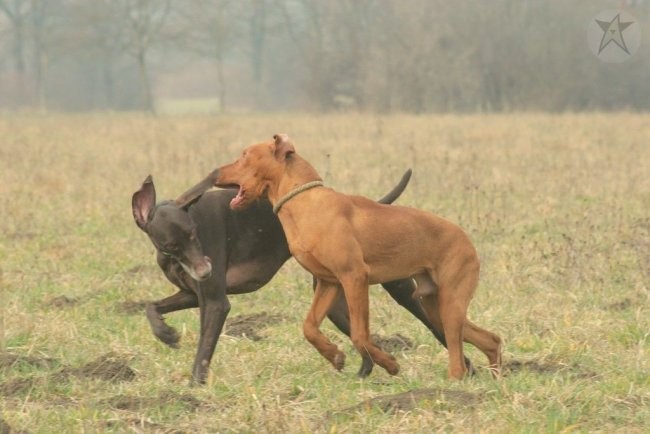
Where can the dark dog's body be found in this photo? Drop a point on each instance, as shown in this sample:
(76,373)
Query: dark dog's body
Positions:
(243,252)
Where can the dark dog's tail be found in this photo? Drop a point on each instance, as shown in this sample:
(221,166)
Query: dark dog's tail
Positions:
(398,189)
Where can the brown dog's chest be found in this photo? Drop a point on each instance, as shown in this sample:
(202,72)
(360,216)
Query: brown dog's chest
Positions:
(311,264)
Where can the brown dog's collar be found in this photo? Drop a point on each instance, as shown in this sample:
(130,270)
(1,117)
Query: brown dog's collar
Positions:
(284,199)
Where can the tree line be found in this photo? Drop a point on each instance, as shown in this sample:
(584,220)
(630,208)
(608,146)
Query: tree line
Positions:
(369,55)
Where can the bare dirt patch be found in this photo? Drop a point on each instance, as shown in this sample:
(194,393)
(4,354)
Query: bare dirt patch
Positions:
(543,367)
(413,398)
(393,344)
(16,386)
(136,269)
(110,367)
(62,301)
(131,307)
(8,361)
(136,403)
(620,305)
(5,428)
(249,326)
(137,424)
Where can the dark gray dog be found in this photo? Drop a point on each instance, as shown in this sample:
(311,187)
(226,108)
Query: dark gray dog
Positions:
(209,251)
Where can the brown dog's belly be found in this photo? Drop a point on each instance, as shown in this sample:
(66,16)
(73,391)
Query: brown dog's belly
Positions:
(386,273)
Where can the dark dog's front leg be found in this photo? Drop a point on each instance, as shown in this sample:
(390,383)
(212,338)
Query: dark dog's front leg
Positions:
(155,311)
(401,291)
(214,310)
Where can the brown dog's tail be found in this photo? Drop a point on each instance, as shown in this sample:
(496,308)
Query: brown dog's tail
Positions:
(398,189)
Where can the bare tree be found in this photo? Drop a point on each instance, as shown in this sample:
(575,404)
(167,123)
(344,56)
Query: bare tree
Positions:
(16,11)
(101,40)
(211,26)
(380,55)
(143,23)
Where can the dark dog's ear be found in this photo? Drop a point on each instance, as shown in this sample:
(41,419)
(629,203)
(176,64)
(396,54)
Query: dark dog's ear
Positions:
(143,201)
(283,147)
(193,194)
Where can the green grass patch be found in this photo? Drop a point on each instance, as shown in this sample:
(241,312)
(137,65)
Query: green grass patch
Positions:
(559,219)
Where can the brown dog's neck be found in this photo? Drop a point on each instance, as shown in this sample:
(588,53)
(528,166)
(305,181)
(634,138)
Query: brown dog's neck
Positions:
(297,172)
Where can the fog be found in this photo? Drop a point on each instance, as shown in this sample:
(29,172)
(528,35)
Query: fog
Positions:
(383,56)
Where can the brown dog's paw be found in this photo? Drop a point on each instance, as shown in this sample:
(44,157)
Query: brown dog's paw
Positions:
(339,361)
(392,368)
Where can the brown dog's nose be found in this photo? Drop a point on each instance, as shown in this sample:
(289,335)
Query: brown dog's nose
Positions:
(280,138)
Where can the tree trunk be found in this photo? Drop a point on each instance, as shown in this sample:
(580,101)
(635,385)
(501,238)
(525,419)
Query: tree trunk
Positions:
(146,95)
(40,56)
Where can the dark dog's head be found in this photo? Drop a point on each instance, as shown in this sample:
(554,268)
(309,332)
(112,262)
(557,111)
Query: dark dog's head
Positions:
(171,229)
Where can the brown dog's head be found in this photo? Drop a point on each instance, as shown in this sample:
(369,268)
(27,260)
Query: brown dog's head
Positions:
(256,169)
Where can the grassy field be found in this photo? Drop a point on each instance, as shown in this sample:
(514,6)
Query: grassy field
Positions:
(558,207)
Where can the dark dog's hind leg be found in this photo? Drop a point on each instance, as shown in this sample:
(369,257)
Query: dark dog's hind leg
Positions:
(155,311)
(401,291)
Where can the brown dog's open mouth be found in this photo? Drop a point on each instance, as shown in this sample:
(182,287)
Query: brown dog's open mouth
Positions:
(238,200)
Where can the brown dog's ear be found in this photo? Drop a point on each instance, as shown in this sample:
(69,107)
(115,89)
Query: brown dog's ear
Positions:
(143,201)
(283,146)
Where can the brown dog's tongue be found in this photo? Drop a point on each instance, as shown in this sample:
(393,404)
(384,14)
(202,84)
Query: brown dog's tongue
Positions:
(237,200)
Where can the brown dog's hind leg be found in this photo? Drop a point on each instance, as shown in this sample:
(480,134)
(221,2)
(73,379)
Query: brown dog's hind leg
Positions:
(355,286)
(452,315)
(487,342)
(455,291)
(324,296)
(428,298)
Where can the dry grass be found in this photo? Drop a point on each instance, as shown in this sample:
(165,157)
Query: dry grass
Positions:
(558,207)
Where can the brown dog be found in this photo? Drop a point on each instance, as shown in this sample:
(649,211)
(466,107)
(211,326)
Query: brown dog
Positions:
(349,242)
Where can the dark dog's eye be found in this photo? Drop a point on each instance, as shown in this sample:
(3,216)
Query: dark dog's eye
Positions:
(166,253)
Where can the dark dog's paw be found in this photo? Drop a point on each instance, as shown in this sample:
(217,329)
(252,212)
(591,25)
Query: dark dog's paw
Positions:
(168,335)
(339,361)
(366,367)
(470,368)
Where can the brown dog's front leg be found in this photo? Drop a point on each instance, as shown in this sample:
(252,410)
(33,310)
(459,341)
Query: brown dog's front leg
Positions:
(339,316)
(355,287)
(324,296)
